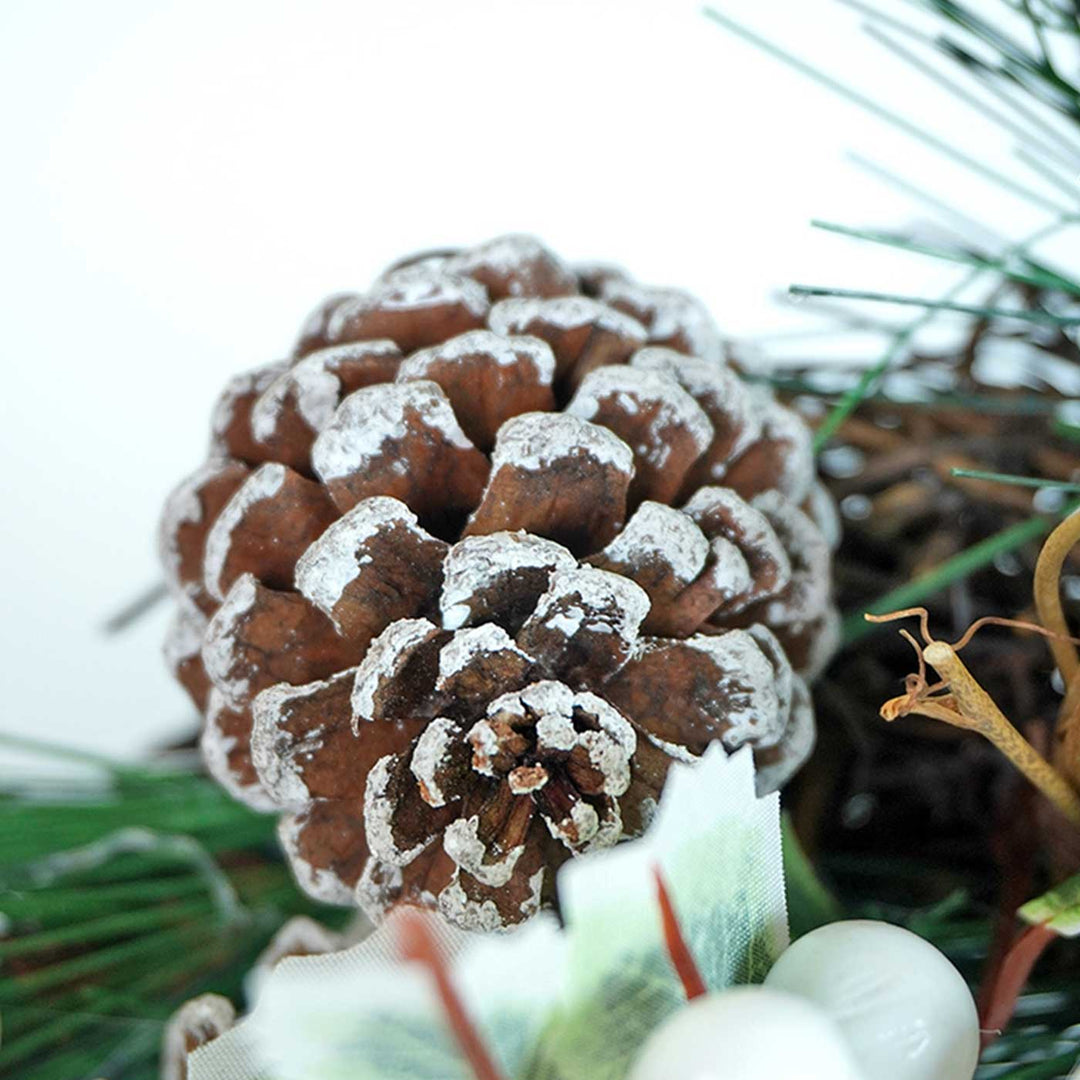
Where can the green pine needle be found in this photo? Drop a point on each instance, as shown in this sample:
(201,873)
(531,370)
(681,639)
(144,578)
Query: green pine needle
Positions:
(960,566)
(1017,481)
(106,928)
(1045,318)
(1014,61)
(1066,431)
(1035,277)
(908,127)
(854,397)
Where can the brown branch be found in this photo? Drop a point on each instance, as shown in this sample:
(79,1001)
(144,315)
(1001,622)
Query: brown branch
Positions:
(1052,615)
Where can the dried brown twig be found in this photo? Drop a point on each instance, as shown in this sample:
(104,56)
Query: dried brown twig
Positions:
(960,701)
(1048,604)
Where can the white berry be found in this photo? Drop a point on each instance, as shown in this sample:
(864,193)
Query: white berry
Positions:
(746,1033)
(906,1012)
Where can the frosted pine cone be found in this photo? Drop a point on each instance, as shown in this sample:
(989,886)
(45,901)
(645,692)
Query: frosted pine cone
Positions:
(462,577)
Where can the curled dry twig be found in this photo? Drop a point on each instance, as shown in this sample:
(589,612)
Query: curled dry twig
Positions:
(959,700)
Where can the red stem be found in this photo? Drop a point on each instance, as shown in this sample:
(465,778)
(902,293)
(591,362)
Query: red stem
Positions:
(1010,979)
(681,959)
(1015,856)
(416,942)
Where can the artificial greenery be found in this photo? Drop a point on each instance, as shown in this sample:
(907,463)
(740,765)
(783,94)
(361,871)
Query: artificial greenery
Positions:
(1016,63)
(127,890)
(124,891)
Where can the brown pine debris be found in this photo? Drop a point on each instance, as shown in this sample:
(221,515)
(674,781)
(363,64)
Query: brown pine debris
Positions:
(194,1024)
(876,799)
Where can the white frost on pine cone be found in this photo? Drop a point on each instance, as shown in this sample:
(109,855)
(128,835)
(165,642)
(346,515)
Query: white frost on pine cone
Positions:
(274,753)
(184,637)
(658,532)
(334,560)
(563,312)
(184,507)
(671,312)
(537,440)
(384,659)
(505,351)
(430,754)
(808,594)
(254,382)
(598,601)
(635,389)
(411,288)
(313,383)
(217,650)
(262,485)
(461,841)
(794,746)
(758,716)
(368,418)
(215,747)
(477,562)
(712,385)
(472,643)
(379,809)
(512,254)
(318,882)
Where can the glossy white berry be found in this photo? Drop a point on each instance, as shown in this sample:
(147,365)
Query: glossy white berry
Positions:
(905,1011)
(746,1033)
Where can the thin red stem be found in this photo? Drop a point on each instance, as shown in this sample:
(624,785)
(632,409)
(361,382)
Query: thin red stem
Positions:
(1011,978)
(416,942)
(1015,857)
(681,959)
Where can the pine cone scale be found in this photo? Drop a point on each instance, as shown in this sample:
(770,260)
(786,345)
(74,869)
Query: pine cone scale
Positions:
(371,567)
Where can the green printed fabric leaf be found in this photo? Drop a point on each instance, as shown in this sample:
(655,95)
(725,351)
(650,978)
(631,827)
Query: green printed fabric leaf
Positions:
(551,1003)
(719,850)
(1059,908)
(362,1014)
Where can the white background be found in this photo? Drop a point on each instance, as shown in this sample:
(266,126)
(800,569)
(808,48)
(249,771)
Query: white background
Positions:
(182,181)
